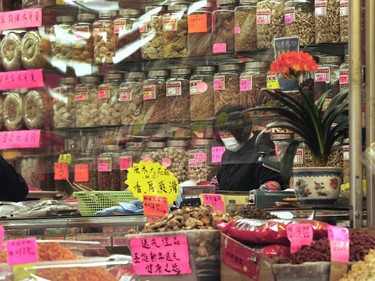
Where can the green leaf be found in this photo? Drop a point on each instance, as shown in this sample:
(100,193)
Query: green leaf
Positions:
(286,163)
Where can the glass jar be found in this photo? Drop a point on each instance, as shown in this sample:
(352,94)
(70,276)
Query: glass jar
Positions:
(152,32)
(154,151)
(252,80)
(344,20)
(35,50)
(37,110)
(13,111)
(344,74)
(130,155)
(127,35)
(108,95)
(63,98)
(327,21)
(227,85)
(175,31)
(108,165)
(1,111)
(176,159)
(327,76)
(202,92)
(200,29)
(223,26)
(270,22)
(131,98)
(104,39)
(300,20)
(83,41)
(177,95)
(10,51)
(61,34)
(87,100)
(199,154)
(154,98)
(85,172)
(245,26)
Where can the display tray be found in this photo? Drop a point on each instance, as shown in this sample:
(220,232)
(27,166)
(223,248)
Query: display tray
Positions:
(42,194)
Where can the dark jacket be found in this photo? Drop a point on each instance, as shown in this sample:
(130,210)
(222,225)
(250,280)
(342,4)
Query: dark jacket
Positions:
(12,185)
(241,171)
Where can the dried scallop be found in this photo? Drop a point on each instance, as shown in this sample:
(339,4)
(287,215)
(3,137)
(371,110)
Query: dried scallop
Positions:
(35,50)
(13,111)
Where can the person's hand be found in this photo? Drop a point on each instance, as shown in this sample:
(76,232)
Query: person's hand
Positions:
(270,186)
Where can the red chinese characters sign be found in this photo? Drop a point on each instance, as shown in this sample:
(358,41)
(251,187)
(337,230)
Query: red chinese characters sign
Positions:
(21,79)
(22,251)
(20,139)
(155,205)
(21,19)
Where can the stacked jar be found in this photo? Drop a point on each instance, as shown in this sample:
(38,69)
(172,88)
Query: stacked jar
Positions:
(223,26)
(83,42)
(64,109)
(199,168)
(245,26)
(61,38)
(300,20)
(154,151)
(327,21)
(108,94)
(154,98)
(35,50)
(86,100)
(13,111)
(176,158)
(85,172)
(344,20)
(175,31)
(1,111)
(344,74)
(130,155)
(37,110)
(104,39)
(202,93)
(108,165)
(131,99)
(227,85)
(10,52)
(200,29)
(177,95)
(270,22)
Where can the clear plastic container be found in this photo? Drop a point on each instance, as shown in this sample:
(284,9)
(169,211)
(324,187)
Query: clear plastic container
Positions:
(130,155)
(300,20)
(64,109)
(202,92)
(175,31)
(104,38)
(245,26)
(87,102)
(108,94)
(227,85)
(61,38)
(154,151)
(108,165)
(223,27)
(327,21)
(131,98)
(199,168)
(10,51)
(344,20)
(35,50)
(1,111)
(13,111)
(85,172)
(37,110)
(200,29)
(270,22)
(127,35)
(176,158)
(177,95)
(344,74)
(154,98)
(83,41)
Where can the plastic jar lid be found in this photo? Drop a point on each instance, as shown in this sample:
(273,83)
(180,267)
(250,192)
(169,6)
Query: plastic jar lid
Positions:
(134,13)
(86,17)
(180,71)
(90,80)
(68,80)
(158,73)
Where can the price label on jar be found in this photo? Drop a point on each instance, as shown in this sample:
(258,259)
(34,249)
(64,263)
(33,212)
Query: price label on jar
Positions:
(197,23)
(125,162)
(105,165)
(166,162)
(218,48)
(246,83)
(193,87)
(200,157)
(299,234)
(174,89)
(170,23)
(61,171)
(321,8)
(344,76)
(119,26)
(272,82)
(344,8)
(149,92)
(125,94)
(339,243)
(103,92)
(81,93)
(237,30)
(264,16)
(217,153)
(290,15)
(219,83)
(81,172)
(322,74)
(22,251)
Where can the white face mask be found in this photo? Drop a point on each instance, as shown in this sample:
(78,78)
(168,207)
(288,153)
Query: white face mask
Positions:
(231,144)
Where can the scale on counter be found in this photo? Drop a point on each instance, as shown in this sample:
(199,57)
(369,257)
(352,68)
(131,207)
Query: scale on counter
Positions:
(267,199)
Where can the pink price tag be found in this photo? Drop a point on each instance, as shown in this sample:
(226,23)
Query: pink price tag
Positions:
(202,87)
(217,153)
(237,30)
(20,139)
(215,200)
(22,251)
(21,79)
(104,167)
(21,19)
(218,84)
(288,19)
(200,157)
(299,234)
(338,233)
(125,163)
(166,162)
(219,48)
(245,85)
(339,251)
(160,255)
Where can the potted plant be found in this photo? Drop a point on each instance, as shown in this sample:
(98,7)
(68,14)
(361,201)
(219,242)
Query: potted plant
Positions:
(318,125)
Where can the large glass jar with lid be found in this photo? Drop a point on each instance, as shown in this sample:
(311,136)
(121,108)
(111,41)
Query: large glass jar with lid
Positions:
(327,21)
(108,165)
(223,26)
(199,168)
(13,111)
(63,98)
(300,20)
(175,30)
(270,22)
(131,98)
(83,42)
(104,39)
(130,155)
(202,92)
(252,80)
(10,51)
(152,32)
(227,85)
(200,29)
(85,171)
(344,20)
(245,26)
(177,95)
(154,151)
(127,35)
(176,158)
(61,34)
(108,94)
(344,74)
(154,98)
(326,77)
(35,50)
(86,100)
(37,109)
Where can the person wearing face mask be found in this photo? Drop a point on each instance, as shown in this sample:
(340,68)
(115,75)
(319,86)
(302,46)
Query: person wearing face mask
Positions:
(240,169)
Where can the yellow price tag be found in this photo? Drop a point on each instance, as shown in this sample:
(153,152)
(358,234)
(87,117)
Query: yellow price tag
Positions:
(65,158)
(23,271)
(148,178)
(272,82)
(60,2)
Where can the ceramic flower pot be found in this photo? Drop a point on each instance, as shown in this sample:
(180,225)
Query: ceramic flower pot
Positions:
(288,85)
(317,185)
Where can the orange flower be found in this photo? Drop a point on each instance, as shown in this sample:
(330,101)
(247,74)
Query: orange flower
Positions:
(292,64)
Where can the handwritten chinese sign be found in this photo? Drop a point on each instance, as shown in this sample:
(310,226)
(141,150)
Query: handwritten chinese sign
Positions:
(299,234)
(61,171)
(339,243)
(20,139)
(155,205)
(197,23)
(21,19)
(215,200)
(81,172)
(22,251)
(160,255)
(21,79)
(217,153)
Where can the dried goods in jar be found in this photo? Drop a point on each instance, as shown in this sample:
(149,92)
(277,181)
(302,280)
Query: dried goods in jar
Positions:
(35,50)
(83,41)
(344,20)
(1,111)
(37,110)
(61,35)
(10,51)
(154,152)
(176,159)
(326,77)
(13,111)
(109,171)
(199,166)
(327,21)
(245,26)
(223,26)
(127,158)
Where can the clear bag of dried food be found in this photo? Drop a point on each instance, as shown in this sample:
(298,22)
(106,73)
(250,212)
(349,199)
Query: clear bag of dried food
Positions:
(154,98)
(108,165)
(176,158)
(109,110)
(326,77)
(131,99)
(327,21)
(245,26)
(60,37)
(227,85)
(36,50)
(175,31)
(13,111)
(344,20)
(270,22)
(177,95)
(37,110)
(10,51)
(300,20)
